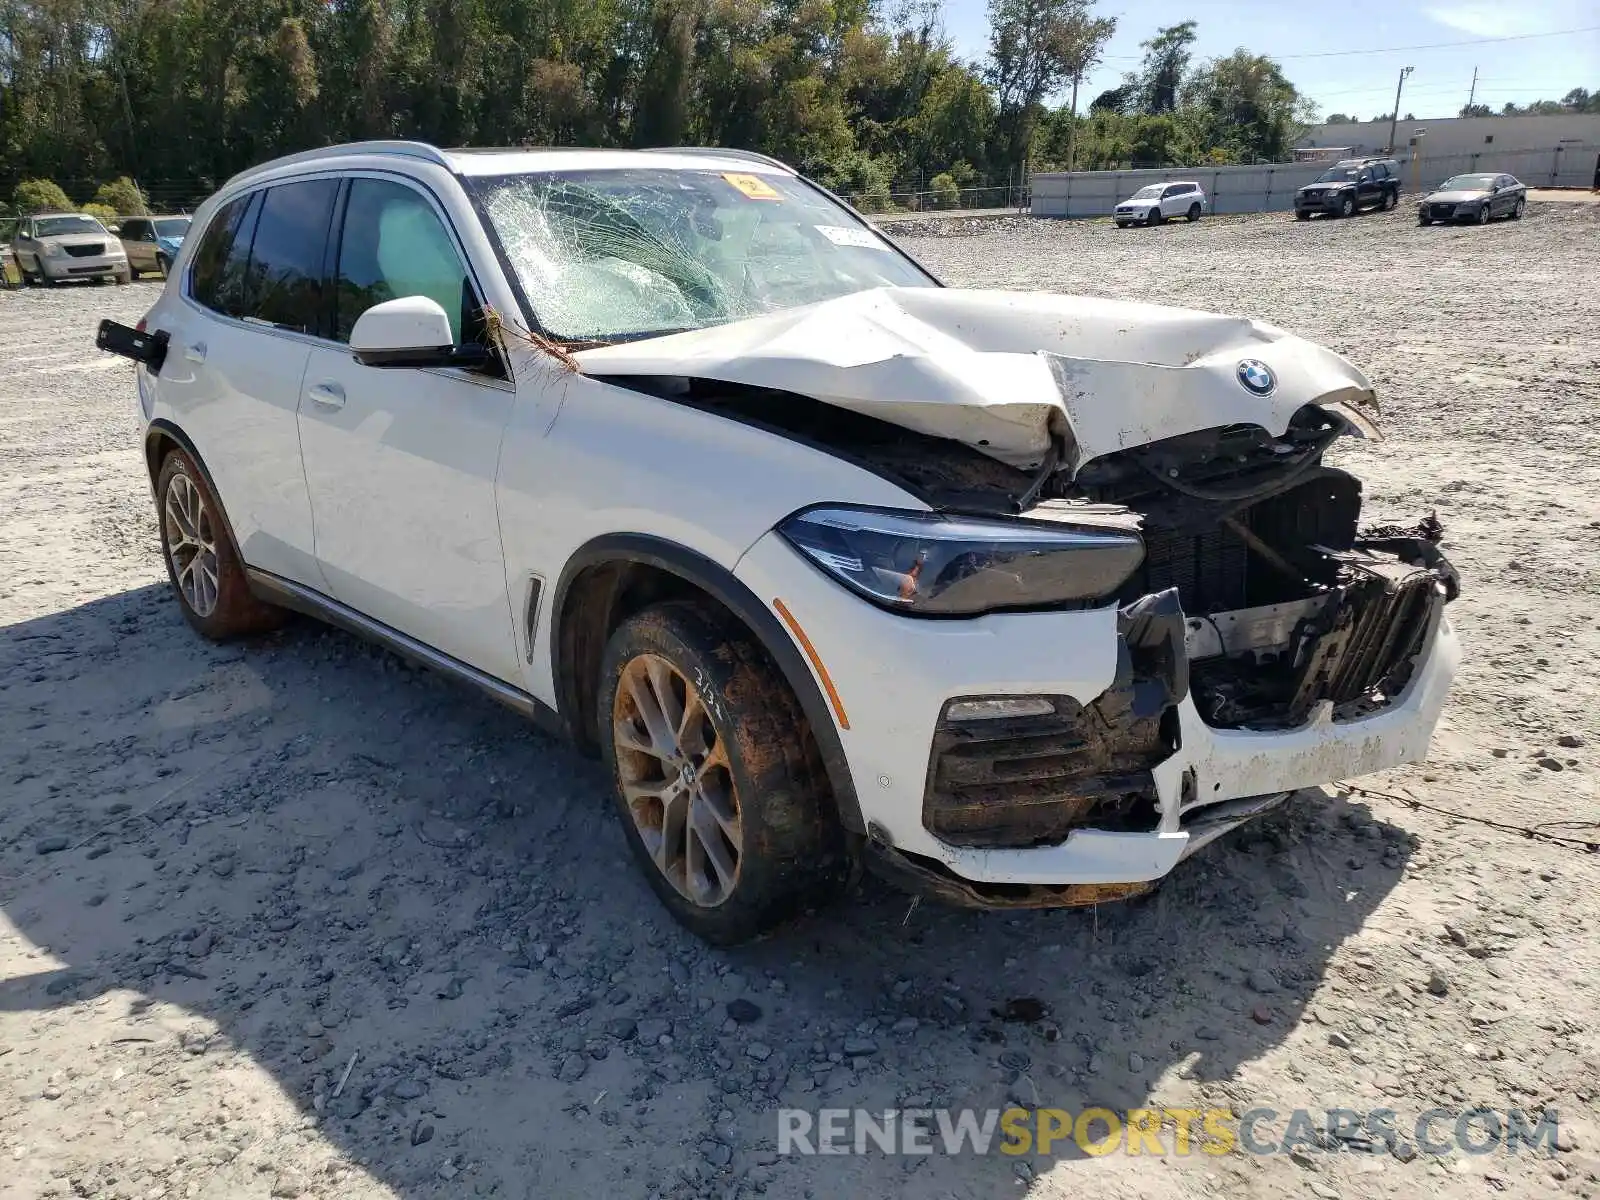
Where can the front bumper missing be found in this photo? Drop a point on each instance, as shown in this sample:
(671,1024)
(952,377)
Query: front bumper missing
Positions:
(1214,781)
(929,877)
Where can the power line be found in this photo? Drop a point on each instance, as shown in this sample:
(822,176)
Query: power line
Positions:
(1520,37)
(1517,37)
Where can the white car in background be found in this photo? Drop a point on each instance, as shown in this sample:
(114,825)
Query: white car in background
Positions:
(1156,202)
(51,247)
(1015,597)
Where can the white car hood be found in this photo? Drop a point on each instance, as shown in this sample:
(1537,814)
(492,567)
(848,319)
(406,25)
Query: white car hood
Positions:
(1011,372)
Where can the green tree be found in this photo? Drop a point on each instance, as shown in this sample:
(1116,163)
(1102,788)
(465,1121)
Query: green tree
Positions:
(1243,108)
(1166,62)
(122,197)
(1035,46)
(40,195)
(946,194)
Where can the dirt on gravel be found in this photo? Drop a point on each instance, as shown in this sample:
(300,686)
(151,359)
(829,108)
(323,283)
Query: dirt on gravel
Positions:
(288,918)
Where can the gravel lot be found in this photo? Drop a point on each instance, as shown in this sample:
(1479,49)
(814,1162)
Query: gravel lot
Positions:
(227,872)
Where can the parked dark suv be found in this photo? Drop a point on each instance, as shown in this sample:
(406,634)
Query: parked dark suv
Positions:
(1347,186)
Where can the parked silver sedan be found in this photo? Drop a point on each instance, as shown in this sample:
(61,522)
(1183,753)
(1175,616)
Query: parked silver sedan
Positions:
(1478,197)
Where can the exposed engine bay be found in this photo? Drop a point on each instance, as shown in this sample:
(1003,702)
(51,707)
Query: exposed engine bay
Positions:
(1288,602)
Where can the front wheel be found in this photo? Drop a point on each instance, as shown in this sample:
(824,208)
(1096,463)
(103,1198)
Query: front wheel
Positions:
(1347,206)
(1154,217)
(1422,220)
(1483,215)
(1301,214)
(202,564)
(1194,212)
(718,781)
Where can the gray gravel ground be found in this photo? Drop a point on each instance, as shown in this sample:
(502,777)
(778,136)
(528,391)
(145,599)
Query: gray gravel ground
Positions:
(225,872)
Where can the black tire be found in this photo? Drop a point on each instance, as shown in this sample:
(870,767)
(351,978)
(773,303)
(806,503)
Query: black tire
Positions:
(1347,207)
(1154,216)
(1484,215)
(1518,209)
(791,853)
(1424,220)
(1122,224)
(236,610)
(1301,214)
(1194,213)
(162,265)
(1391,199)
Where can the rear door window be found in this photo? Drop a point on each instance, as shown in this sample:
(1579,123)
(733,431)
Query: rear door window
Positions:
(223,257)
(284,280)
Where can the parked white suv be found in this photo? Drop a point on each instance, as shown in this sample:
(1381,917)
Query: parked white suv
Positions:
(1018,598)
(1155,202)
(52,247)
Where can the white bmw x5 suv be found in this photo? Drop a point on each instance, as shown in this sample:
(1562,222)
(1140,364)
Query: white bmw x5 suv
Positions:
(1018,598)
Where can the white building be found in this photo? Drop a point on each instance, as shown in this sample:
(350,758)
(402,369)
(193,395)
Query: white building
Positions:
(1463,135)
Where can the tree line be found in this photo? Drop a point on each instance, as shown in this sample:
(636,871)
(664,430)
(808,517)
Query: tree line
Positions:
(180,94)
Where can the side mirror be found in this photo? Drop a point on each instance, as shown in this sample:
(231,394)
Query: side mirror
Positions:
(412,331)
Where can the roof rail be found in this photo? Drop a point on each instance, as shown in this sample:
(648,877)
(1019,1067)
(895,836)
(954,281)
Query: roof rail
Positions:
(721,152)
(402,149)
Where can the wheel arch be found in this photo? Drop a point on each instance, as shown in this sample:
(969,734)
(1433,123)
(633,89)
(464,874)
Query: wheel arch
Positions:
(613,576)
(162,437)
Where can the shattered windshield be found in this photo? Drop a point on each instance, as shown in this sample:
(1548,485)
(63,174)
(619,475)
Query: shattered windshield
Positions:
(609,255)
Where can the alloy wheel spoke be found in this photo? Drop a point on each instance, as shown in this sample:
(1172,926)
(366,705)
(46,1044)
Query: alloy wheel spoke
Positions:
(705,833)
(644,702)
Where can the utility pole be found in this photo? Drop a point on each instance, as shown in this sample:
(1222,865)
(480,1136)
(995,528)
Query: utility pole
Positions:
(1395,115)
(1473,94)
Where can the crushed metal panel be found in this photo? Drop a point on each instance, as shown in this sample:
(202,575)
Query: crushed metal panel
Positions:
(1010,372)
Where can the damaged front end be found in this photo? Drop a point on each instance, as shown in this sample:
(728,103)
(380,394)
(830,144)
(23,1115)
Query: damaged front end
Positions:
(1261,605)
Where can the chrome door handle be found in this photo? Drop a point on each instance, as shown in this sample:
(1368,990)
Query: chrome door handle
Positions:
(328,395)
(195,353)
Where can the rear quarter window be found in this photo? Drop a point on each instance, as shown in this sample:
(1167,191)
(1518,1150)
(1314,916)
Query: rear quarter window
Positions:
(220,261)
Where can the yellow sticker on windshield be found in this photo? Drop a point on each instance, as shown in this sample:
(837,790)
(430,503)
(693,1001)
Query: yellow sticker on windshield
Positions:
(754,187)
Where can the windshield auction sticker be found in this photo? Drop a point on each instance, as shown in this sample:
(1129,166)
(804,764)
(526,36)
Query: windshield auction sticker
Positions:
(841,235)
(753,186)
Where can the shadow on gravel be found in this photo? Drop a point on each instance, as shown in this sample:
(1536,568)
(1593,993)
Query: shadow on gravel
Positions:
(312,851)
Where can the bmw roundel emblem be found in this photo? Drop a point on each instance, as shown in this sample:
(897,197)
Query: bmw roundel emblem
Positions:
(1257,377)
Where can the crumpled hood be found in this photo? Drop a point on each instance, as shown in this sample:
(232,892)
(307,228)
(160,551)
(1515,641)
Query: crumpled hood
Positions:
(1457,197)
(1010,372)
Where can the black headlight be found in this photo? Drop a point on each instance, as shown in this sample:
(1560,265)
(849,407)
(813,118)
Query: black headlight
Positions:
(934,565)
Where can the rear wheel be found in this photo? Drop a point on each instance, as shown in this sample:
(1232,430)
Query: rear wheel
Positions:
(1516,212)
(1194,211)
(718,782)
(162,265)
(206,573)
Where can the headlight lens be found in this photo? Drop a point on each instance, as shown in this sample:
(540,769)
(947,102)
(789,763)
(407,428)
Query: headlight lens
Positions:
(934,565)
(53,250)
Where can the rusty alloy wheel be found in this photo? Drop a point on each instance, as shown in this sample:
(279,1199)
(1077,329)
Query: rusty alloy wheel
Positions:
(192,545)
(672,764)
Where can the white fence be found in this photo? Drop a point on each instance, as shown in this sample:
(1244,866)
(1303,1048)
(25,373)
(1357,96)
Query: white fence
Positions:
(1271,187)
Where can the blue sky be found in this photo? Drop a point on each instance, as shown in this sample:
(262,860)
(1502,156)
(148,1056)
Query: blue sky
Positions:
(1360,84)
